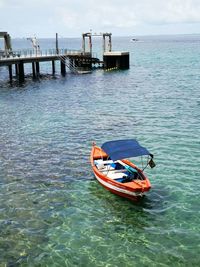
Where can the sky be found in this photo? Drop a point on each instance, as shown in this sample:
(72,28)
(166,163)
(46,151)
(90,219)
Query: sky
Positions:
(70,18)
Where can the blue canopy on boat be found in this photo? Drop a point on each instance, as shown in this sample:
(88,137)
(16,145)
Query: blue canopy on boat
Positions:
(121,149)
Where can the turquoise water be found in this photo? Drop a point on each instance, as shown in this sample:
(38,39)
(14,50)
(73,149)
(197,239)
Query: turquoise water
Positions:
(52,210)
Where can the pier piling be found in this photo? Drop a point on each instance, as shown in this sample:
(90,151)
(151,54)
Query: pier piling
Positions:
(62,67)
(33,69)
(53,67)
(21,71)
(10,72)
(37,65)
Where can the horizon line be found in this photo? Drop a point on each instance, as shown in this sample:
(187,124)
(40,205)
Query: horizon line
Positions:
(136,35)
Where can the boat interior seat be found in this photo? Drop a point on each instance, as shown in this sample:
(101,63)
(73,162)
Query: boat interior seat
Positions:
(116,175)
(101,161)
(107,171)
(105,166)
(114,164)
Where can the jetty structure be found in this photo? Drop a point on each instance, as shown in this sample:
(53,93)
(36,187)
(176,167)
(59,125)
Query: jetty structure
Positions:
(77,61)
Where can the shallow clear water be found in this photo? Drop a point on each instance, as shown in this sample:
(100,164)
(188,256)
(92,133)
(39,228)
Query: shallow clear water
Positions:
(52,210)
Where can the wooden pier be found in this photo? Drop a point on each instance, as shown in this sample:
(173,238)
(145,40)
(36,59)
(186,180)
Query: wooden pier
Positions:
(77,61)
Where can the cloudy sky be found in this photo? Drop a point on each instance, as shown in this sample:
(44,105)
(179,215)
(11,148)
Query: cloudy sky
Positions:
(43,18)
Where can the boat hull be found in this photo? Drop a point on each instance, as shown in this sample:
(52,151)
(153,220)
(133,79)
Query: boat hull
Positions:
(119,191)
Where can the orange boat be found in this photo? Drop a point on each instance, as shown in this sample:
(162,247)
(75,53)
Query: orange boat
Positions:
(117,174)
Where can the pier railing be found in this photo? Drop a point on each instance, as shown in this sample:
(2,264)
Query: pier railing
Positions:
(39,53)
(29,53)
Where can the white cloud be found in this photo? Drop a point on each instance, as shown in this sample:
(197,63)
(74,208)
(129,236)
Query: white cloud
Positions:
(76,16)
(129,13)
(171,11)
(2,3)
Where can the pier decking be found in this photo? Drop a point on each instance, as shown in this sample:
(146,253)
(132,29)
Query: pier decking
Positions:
(76,61)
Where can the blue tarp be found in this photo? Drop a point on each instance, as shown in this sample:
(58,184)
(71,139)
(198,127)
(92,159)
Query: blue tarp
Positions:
(121,149)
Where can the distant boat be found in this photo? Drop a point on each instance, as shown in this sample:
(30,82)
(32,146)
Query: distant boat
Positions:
(134,40)
(117,174)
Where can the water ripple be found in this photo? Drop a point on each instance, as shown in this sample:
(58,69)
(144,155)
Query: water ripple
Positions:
(53,212)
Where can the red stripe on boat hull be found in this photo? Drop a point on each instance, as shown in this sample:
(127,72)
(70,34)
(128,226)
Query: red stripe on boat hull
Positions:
(123,192)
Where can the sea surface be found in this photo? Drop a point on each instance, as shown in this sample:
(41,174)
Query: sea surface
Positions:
(52,210)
